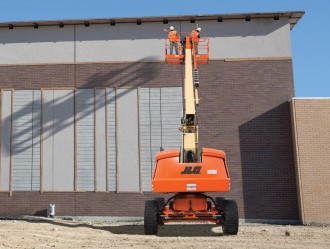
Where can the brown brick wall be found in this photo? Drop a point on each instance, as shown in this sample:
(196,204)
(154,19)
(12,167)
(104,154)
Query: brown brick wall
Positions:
(243,111)
(311,125)
(143,74)
(74,203)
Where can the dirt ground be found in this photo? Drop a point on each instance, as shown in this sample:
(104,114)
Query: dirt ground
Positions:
(58,233)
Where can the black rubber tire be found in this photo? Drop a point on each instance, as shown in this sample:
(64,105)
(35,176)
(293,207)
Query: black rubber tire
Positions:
(160,202)
(230,223)
(209,206)
(150,217)
(171,205)
(160,206)
(218,201)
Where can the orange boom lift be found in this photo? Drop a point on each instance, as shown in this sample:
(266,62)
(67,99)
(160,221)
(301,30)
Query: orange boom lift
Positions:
(188,173)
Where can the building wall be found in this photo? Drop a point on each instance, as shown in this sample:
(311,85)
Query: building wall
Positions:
(128,42)
(59,138)
(244,111)
(85,109)
(311,125)
(250,120)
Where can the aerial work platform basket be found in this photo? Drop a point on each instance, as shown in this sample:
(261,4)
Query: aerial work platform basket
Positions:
(201,58)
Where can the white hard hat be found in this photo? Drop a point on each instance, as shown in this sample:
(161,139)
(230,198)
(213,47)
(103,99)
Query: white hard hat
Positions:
(171,28)
(199,29)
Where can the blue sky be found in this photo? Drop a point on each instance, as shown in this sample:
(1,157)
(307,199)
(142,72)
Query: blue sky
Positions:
(310,39)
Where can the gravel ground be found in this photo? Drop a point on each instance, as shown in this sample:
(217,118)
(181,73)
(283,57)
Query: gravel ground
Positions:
(58,233)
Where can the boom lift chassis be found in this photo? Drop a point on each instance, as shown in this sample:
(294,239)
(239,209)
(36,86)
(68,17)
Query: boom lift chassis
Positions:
(189,175)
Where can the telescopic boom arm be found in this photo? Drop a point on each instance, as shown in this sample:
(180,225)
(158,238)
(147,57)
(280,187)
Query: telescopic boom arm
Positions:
(189,122)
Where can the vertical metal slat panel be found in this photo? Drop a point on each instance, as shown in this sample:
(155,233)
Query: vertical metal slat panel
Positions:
(85,139)
(160,115)
(100,133)
(22,141)
(36,116)
(171,106)
(111,119)
(156,122)
(145,139)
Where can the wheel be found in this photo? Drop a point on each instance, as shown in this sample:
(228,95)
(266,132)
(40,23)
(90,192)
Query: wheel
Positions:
(230,223)
(150,217)
(160,202)
(171,205)
(209,206)
(160,206)
(218,201)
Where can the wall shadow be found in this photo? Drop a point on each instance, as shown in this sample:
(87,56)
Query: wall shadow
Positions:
(129,76)
(172,230)
(268,170)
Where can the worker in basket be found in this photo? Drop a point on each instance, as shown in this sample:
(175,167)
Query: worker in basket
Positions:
(195,35)
(174,39)
(183,44)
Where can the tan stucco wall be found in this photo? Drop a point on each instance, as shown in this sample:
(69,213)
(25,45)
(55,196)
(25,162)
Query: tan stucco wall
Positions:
(311,132)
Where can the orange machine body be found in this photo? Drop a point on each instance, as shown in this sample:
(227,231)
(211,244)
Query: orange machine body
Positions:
(209,175)
(192,208)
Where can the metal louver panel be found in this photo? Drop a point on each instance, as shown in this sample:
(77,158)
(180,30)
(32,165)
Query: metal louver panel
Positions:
(160,115)
(85,139)
(111,130)
(145,139)
(26,140)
